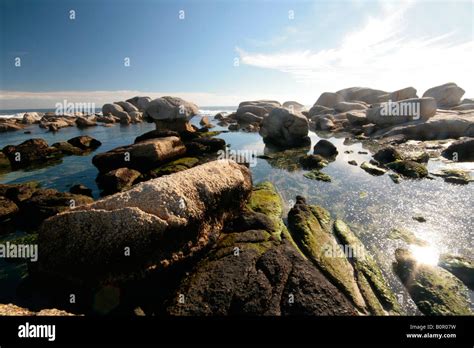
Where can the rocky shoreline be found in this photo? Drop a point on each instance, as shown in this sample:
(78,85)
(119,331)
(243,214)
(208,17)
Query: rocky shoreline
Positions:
(181,231)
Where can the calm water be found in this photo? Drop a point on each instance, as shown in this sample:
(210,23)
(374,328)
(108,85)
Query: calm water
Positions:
(372,206)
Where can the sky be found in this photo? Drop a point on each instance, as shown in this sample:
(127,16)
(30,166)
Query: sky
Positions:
(217,52)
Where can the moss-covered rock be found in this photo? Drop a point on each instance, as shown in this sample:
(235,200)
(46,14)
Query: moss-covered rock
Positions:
(455,176)
(409,169)
(8,209)
(285,159)
(313,162)
(434,290)
(4,163)
(372,283)
(317,175)
(407,236)
(320,246)
(174,166)
(462,267)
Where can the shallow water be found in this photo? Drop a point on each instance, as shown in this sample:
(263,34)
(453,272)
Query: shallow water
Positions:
(372,206)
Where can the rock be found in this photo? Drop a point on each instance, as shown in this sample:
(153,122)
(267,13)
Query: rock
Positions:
(248,117)
(45,203)
(19,192)
(155,220)
(8,209)
(324,124)
(83,122)
(407,236)
(141,156)
(460,151)
(419,218)
(319,246)
(371,169)
(401,94)
(313,162)
(135,116)
(441,126)
(13,310)
(4,163)
(409,169)
(233,127)
(140,103)
(127,106)
(108,119)
(352,163)
(284,128)
(118,180)
(348,106)
(357,118)
(326,149)
(68,149)
(80,189)
(387,154)
(31,152)
(117,111)
(174,167)
(455,176)
(375,289)
(394,113)
(369,129)
(463,107)
(293,106)
(205,122)
(85,142)
(31,118)
(287,159)
(434,290)
(329,100)
(467,101)
(461,267)
(317,175)
(447,95)
(170,109)
(55,124)
(256,106)
(395,177)
(363,94)
(157,133)
(317,110)
(7,125)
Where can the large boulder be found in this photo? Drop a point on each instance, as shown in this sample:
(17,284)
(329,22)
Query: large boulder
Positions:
(171,108)
(248,117)
(441,126)
(31,118)
(348,106)
(393,113)
(401,94)
(367,95)
(325,148)
(140,103)
(317,110)
(117,180)
(284,128)
(447,95)
(85,142)
(129,233)
(117,111)
(268,105)
(293,106)
(143,155)
(329,99)
(127,106)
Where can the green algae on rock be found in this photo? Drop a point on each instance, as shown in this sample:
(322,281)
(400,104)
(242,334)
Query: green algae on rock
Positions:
(174,166)
(434,290)
(317,175)
(462,267)
(372,283)
(371,169)
(407,236)
(455,176)
(320,246)
(409,169)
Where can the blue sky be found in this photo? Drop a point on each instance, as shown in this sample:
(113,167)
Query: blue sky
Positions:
(285,50)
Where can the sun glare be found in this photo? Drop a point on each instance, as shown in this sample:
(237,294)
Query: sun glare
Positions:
(425,255)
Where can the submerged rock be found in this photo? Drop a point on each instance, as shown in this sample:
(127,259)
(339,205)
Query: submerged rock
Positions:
(85,142)
(124,235)
(434,290)
(317,175)
(372,169)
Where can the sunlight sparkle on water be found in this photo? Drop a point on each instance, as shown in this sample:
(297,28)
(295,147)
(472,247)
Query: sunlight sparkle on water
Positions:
(426,255)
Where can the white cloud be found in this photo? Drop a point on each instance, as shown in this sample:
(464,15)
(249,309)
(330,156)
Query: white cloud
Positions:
(380,54)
